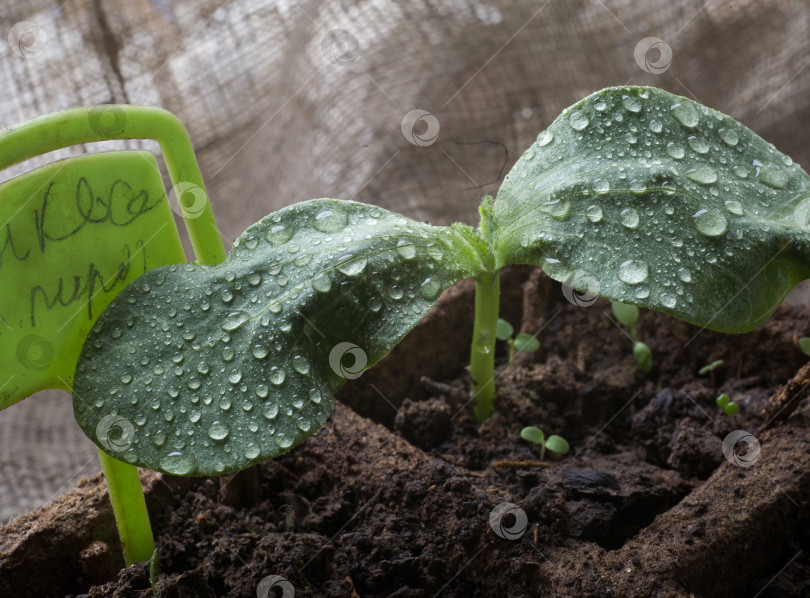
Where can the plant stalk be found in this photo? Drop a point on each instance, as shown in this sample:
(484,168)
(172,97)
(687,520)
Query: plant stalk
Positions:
(129,507)
(482,355)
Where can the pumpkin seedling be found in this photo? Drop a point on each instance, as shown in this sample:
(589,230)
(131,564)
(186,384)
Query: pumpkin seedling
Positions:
(709,369)
(725,403)
(226,366)
(628,315)
(554,443)
(522,342)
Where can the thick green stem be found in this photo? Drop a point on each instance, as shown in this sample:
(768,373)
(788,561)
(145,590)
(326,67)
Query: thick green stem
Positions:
(129,506)
(482,355)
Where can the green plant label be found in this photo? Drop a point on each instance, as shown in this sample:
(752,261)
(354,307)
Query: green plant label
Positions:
(74,234)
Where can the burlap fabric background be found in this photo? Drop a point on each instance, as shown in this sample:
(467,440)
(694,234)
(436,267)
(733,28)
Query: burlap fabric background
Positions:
(288,100)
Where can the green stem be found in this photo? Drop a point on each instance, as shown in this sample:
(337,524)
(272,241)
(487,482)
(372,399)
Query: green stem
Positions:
(129,506)
(482,355)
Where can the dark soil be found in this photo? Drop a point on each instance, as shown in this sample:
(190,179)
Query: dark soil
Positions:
(645,504)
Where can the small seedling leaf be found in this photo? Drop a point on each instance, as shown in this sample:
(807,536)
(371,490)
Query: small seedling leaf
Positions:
(213,369)
(532,434)
(526,343)
(643,355)
(645,197)
(557,444)
(731,408)
(625,313)
(504,330)
(711,367)
(804,345)
(723,400)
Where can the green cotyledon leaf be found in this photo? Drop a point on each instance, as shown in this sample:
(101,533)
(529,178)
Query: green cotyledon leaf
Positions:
(201,370)
(649,198)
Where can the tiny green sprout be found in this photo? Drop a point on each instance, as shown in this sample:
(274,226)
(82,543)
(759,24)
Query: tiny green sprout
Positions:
(523,342)
(711,367)
(726,404)
(154,571)
(628,315)
(804,345)
(554,443)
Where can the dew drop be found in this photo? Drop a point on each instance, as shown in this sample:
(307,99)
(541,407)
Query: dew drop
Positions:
(685,275)
(729,136)
(275,307)
(227,296)
(235,377)
(686,114)
(126,379)
(633,272)
(322,283)
(304,425)
(270,410)
(668,300)
(395,292)
(740,172)
(260,351)
(579,120)
(430,289)
(300,364)
(159,438)
(629,218)
(545,138)
(331,221)
(601,185)
(252,451)
(254,279)
(656,126)
(218,431)
(601,106)
(406,249)
(710,223)
(641,292)
(699,145)
(594,213)
(352,266)
(675,150)
(773,176)
(234,320)
(632,103)
(277,375)
(703,174)
(194,416)
(178,463)
(735,207)
(278,235)
(228,354)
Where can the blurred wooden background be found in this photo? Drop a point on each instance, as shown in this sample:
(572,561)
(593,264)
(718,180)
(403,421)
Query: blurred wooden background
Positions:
(288,100)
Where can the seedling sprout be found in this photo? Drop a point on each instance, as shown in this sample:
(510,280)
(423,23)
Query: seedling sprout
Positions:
(523,342)
(554,443)
(628,315)
(728,406)
(224,366)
